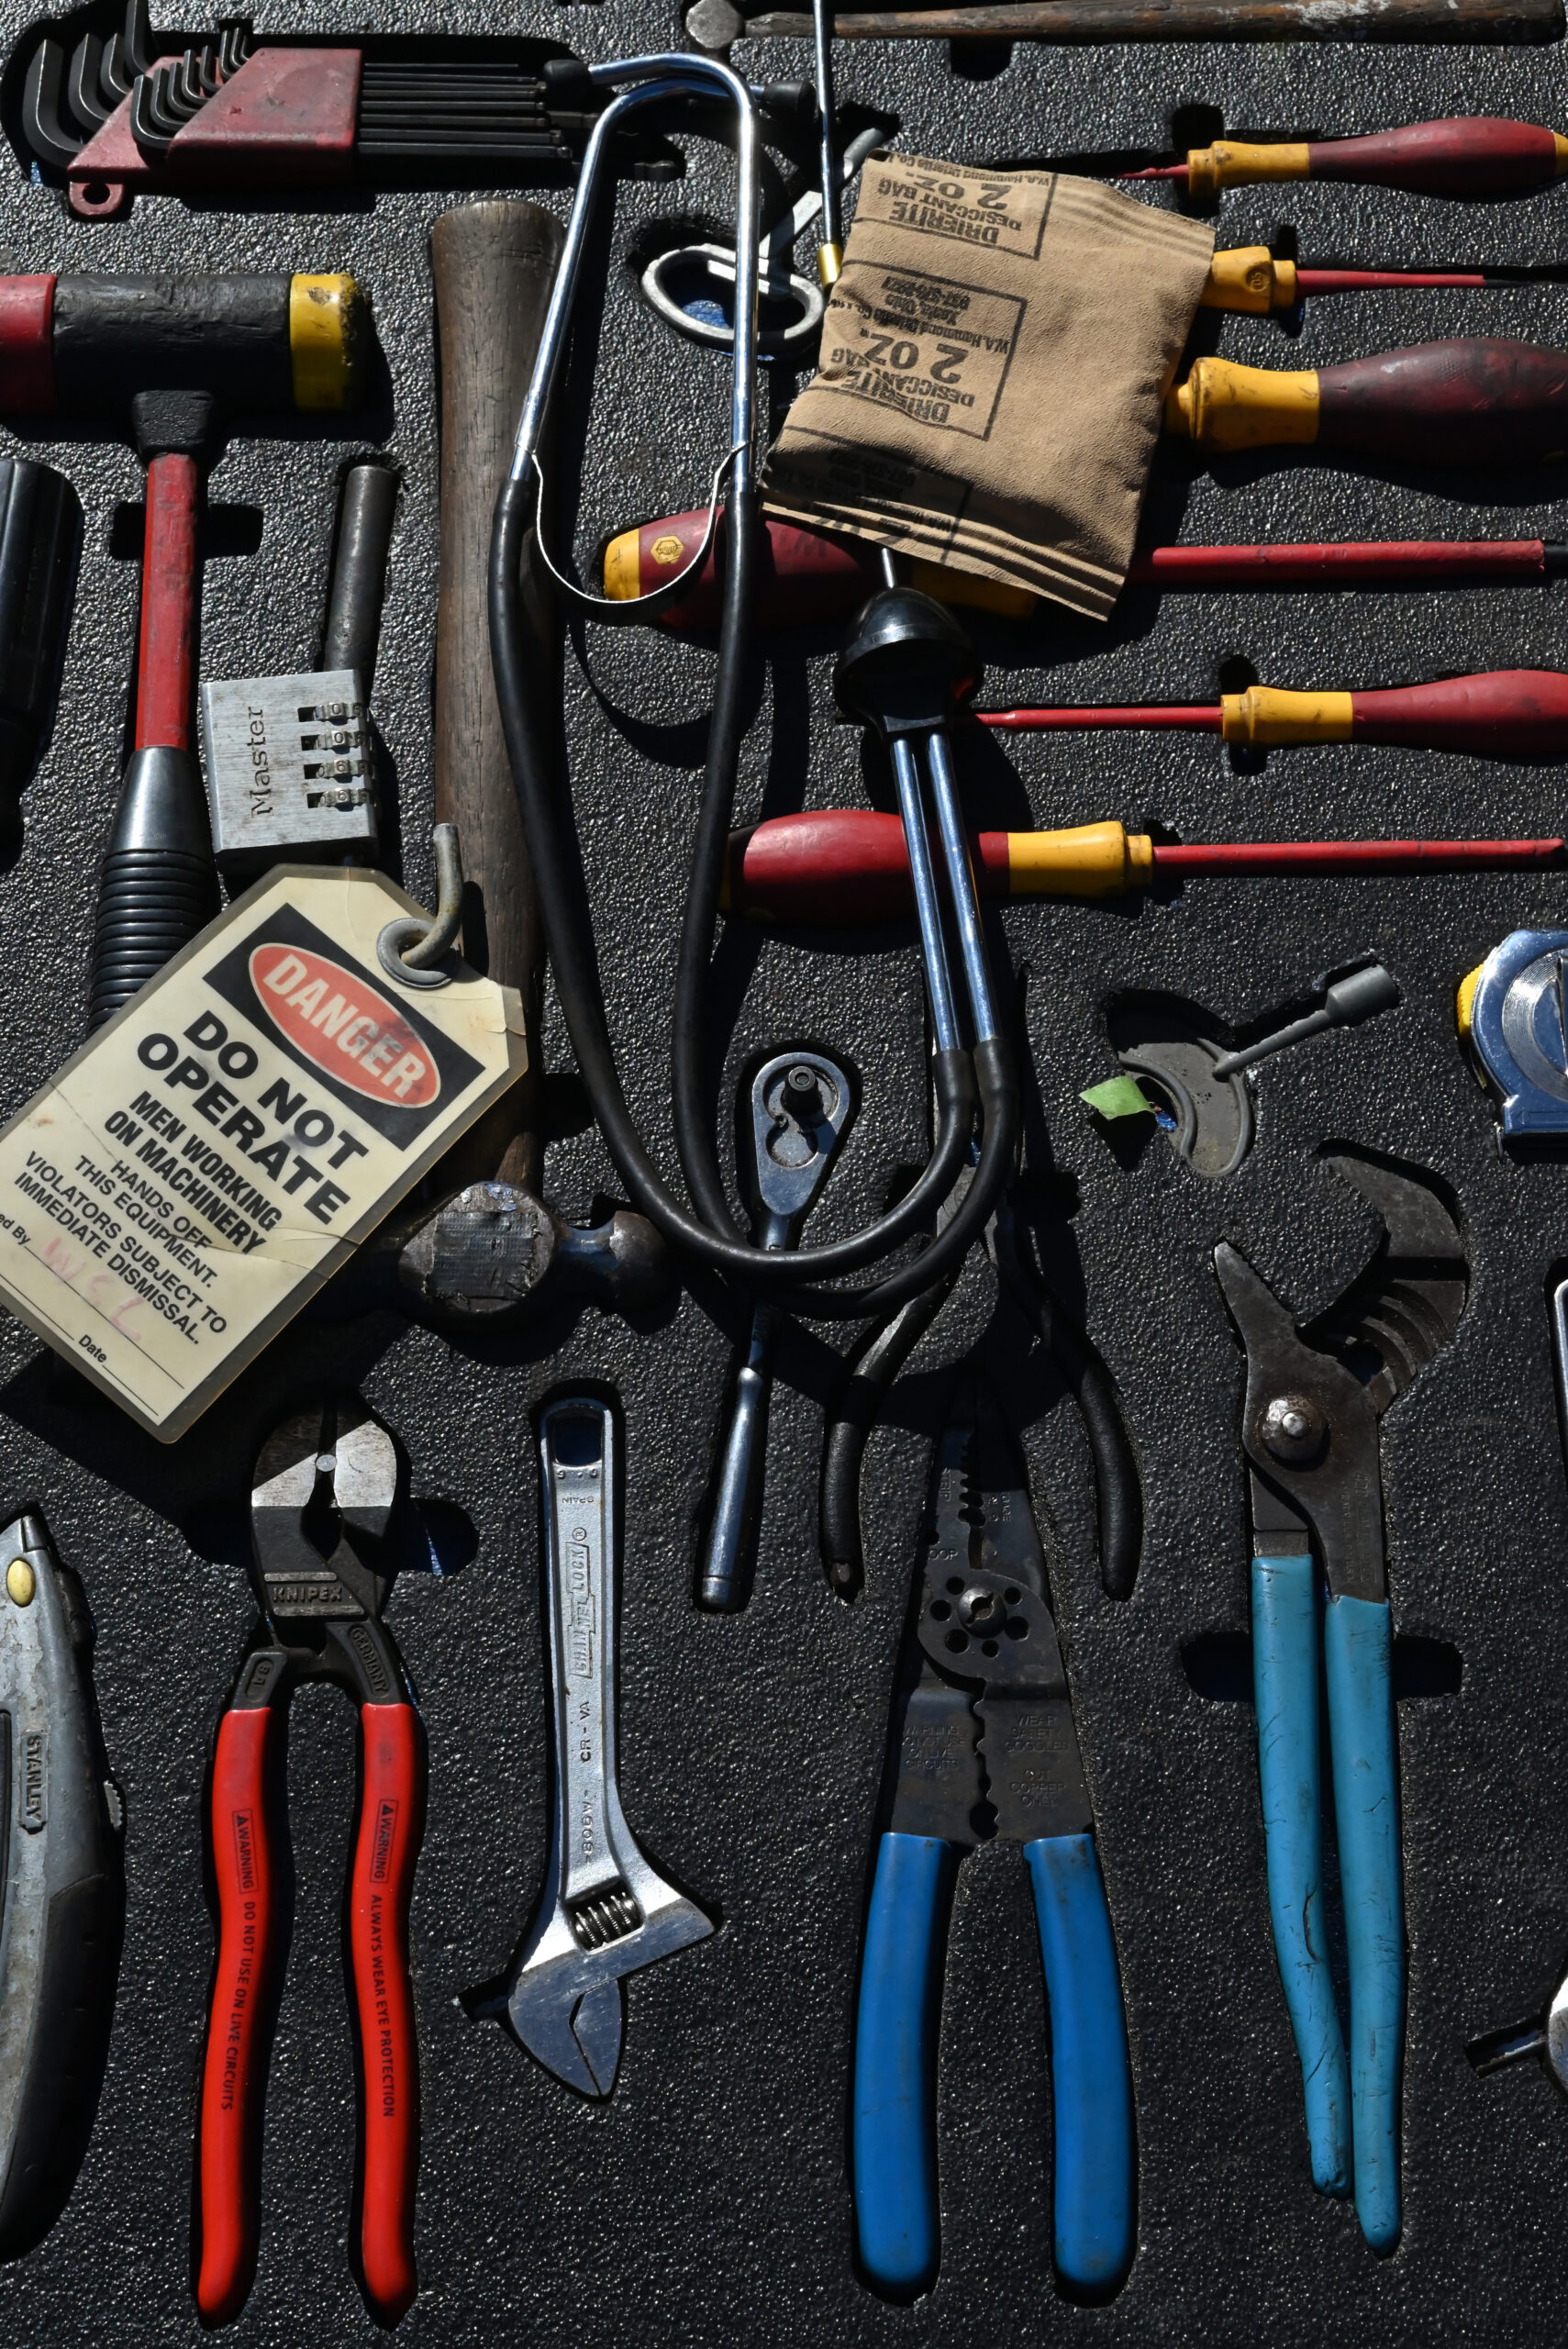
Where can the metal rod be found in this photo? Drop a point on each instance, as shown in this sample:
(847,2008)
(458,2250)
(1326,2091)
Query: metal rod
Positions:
(961,880)
(830,250)
(928,909)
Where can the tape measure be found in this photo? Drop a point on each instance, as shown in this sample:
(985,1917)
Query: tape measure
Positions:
(1513,1016)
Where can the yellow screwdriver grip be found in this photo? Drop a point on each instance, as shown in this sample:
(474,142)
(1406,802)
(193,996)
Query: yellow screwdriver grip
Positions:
(1265,716)
(949,586)
(1249,278)
(1090,861)
(1222,405)
(1231,162)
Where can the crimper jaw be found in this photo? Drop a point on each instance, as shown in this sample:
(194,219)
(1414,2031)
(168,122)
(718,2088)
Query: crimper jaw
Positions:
(331,1471)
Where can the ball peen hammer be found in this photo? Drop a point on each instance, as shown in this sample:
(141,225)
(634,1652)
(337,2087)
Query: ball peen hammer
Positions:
(491,1249)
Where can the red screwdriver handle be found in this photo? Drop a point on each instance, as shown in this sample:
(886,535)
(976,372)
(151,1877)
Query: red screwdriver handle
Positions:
(1481,401)
(234,2076)
(1468,155)
(804,576)
(391,1822)
(1496,714)
(838,866)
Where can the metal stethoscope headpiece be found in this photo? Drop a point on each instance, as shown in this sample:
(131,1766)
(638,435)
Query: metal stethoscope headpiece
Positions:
(648,81)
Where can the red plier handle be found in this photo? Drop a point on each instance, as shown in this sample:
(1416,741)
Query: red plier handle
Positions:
(234,2078)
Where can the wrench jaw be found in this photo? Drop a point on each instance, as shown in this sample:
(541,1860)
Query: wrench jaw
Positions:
(566,2003)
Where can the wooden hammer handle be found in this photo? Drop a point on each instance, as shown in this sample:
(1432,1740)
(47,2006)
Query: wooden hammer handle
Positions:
(493,264)
(1095,21)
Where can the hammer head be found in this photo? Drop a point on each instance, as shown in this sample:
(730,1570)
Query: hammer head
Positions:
(492,1249)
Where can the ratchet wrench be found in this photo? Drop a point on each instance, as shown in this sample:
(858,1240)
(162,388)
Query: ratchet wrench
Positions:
(800,1105)
(604,1912)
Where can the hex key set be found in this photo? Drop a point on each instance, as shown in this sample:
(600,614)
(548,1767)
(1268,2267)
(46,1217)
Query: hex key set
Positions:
(783,1302)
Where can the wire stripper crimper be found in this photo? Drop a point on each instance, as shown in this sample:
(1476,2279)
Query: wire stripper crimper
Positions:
(985,1745)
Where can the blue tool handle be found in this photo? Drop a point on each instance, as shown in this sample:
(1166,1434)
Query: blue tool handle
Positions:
(1357,1651)
(739,1499)
(1285,1690)
(894,2146)
(1090,2077)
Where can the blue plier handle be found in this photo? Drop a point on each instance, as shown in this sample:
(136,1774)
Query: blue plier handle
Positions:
(895,2147)
(1353,2112)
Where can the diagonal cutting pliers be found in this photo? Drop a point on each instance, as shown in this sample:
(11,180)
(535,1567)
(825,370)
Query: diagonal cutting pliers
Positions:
(984,1744)
(324,1476)
(1311,1431)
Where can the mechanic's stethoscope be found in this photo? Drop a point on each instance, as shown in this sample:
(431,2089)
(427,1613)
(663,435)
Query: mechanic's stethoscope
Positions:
(960,1079)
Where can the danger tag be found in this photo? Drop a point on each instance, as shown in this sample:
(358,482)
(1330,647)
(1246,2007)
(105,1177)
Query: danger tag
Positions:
(193,1176)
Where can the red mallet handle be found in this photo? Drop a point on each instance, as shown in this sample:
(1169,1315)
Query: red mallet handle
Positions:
(166,660)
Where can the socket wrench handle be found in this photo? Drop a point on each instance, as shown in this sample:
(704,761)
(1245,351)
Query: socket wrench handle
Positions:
(800,1105)
(358,586)
(738,1488)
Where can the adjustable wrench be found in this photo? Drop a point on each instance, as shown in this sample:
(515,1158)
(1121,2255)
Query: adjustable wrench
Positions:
(604,1912)
(800,1105)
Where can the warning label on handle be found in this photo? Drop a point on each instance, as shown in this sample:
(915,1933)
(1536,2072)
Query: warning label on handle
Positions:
(195,1173)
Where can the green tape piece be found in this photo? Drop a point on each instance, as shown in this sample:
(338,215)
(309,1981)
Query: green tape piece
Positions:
(1118,1096)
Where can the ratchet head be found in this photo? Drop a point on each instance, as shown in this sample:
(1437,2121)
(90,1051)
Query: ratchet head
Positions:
(800,1106)
(1546,2038)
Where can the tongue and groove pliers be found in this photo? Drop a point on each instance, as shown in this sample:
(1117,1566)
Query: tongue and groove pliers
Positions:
(1314,1400)
(321,1507)
(984,1744)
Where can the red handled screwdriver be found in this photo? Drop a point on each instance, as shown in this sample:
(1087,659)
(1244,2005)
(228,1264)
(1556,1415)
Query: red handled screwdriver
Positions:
(1465,155)
(1252,279)
(807,577)
(842,867)
(1482,400)
(1495,714)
